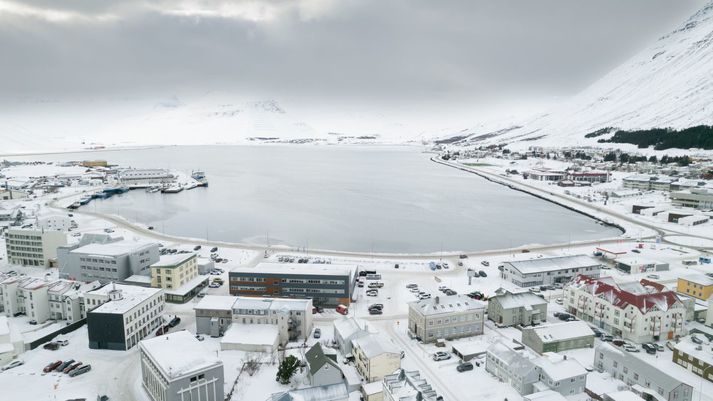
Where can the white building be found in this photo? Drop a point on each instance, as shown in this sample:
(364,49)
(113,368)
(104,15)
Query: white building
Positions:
(640,312)
(114,260)
(264,338)
(27,296)
(292,317)
(375,356)
(408,386)
(446,317)
(30,247)
(176,367)
(122,315)
(549,271)
(346,330)
(66,299)
(54,222)
(145,177)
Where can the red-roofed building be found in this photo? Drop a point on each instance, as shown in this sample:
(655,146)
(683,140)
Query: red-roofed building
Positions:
(640,312)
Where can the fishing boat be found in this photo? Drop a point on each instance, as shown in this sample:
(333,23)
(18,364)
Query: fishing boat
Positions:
(172,189)
(199,176)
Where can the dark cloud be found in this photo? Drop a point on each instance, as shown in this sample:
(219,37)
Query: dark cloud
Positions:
(366,50)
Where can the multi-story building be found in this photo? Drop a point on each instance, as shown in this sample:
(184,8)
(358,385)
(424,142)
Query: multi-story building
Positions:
(346,330)
(30,247)
(122,315)
(548,271)
(66,299)
(406,385)
(375,356)
(176,367)
(26,296)
(54,222)
(640,312)
(138,178)
(108,261)
(446,317)
(589,177)
(636,372)
(214,313)
(694,198)
(292,317)
(557,337)
(698,358)
(178,275)
(507,308)
(697,286)
(325,285)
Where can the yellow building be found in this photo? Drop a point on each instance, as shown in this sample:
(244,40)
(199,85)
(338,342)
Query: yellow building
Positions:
(698,286)
(94,163)
(173,271)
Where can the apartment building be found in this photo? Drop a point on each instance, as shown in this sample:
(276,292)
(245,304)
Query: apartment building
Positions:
(375,356)
(407,385)
(697,358)
(524,308)
(638,311)
(122,315)
(548,271)
(109,261)
(697,286)
(446,317)
(643,377)
(27,296)
(214,313)
(192,373)
(325,285)
(66,299)
(292,317)
(29,247)
(557,337)
(178,275)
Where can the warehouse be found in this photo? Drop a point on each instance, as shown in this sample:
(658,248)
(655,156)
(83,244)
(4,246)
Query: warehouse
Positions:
(549,271)
(639,265)
(558,337)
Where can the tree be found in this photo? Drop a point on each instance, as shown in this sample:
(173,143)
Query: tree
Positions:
(610,157)
(287,369)
(653,159)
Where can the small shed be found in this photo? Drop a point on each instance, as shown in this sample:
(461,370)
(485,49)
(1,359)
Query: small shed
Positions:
(251,338)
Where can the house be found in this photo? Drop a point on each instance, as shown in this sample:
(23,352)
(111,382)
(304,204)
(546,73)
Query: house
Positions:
(697,358)
(321,369)
(558,337)
(561,374)
(264,338)
(194,373)
(333,392)
(66,299)
(30,247)
(178,275)
(446,317)
(375,357)
(639,311)
(548,271)
(635,371)
(407,385)
(698,286)
(122,315)
(507,308)
(545,175)
(291,317)
(512,367)
(109,260)
(214,313)
(547,395)
(325,285)
(347,329)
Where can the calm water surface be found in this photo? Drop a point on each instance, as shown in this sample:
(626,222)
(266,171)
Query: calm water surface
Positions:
(380,199)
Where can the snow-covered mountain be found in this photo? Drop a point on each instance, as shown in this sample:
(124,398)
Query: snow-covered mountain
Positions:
(670,84)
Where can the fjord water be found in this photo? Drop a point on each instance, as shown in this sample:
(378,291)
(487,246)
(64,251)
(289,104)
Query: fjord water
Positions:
(380,199)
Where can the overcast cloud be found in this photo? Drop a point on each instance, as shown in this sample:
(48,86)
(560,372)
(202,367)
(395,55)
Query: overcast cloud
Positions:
(324,50)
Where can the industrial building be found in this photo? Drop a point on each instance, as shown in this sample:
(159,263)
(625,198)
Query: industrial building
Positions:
(549,271)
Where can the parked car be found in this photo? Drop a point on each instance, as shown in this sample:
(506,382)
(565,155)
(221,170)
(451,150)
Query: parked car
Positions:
(376,306)
(72,367)
(696,340)
(441,356)
(630,348)
(13,364)
(485,263)
(197,248)
(409,286)
(482,273)
(64,365)
(53,346)
(564,316)
(618,342)
(52,366)
(607,338)
(200,337)
(317,333)
(342,310)
(33,322)
(376,284)
(317,309)
(559,301)
(659,347)
(424,296)
(80,370)
(464,367)
(463,256)
(649,348)
(174,322)
(214,249)
(446,265)
(162,330)
(376,312)
(372,293)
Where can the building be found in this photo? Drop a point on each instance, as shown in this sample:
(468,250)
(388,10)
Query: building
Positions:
(545,175)
(178,275)
(194,373)
(561,374)
(648,183)
(697,358)
(694,198)
(698,286)
(122,315)
(558,337)
(114,260)
(407,386)
(9,214)
(635,264)
(10,194)
(549,271)
(292,317)
(375,357)
(325,285)
(214,313)
(321,369)
(66,299)
(137,178)
(634,372)
(30,247)
(547,395)
(22,295)
(54,222)
(346,330)
(94,163)
(640,312)
(11,343)
(263,338)
(333,392)
(506,308)
(446,317)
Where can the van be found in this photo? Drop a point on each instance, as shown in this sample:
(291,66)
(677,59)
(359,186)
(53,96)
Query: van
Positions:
(441,343)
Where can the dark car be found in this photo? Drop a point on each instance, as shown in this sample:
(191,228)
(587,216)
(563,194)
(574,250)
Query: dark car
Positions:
(482,274)
(197,248)
(607,338)
(464,367)
(376,306)
(564,316)
(649,348)
(163,330)
(51,346)
(376,312)
(52,366)
(80,370)
(64,365)
(317,309)
(618,342)
(174,322)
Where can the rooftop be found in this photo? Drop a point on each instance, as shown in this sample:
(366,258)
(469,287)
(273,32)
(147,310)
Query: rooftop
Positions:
(636,364)
(645,295)
(524,299)
(131,296)
(375,345)
(113,248)
(559,367)
(704,354)
(216,302)
(701,279)
(193,357)
(553,264)
(253,334)
(448,304)
(563,331)
(271,303)
(298,268)
(174,260)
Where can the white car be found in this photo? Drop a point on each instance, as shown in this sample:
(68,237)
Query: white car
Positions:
(441,356)
(13,364)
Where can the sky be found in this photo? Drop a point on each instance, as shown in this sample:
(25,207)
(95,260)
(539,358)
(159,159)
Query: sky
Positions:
(390,54)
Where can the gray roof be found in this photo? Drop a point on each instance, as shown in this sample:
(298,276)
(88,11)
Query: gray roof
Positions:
(514,360)
(316,359)
(449,304)
(553,264)
(375,345)
(636,364)
(525,299)
(332,392)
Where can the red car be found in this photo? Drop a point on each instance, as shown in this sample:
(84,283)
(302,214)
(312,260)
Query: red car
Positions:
(342,310)
(52,366)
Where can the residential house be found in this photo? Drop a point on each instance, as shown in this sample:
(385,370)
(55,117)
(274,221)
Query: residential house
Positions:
(375,357)
(322,370)
(446,317)
(524,308)
(557,337)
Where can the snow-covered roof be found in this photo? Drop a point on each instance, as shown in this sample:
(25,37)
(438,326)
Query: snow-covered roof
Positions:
(704,354)
(298,268)
(374,345)
(33,283)
(216,302)
(347,327)
(637,261)
(251,334)
(625,395)
(138,278)
(113,248)
(331,392)
(173,260)
(188,286)
(373,387)
(563,331)
(553,264)
(514,360)
(701,279)
(524,299)
(547,395)
(636,364)
(178,354)
(559,367)
(449,304)
(407,385)
(255,303)
(131,297)
(606,288)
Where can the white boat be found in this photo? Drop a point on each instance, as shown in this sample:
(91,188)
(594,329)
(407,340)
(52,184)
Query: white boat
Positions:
(173,189)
